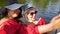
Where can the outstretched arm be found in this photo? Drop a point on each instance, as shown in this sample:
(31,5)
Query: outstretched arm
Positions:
(54,24)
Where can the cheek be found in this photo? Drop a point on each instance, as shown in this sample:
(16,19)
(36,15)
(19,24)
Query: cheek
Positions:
(10,13)
(29,17)
(13,14)
(17,12)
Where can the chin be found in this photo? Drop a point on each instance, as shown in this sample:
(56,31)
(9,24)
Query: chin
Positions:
(33,19)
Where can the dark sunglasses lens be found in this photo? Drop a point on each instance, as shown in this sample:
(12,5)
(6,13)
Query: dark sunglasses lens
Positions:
(35,12)
(32,13)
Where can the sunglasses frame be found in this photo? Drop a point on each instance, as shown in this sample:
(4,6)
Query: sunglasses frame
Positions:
(33,13)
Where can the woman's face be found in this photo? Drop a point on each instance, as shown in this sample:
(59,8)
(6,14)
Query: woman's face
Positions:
(32,16)
(13,13)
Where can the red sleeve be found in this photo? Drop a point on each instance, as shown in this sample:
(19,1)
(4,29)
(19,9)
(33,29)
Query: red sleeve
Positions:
(41,21)
(2,32)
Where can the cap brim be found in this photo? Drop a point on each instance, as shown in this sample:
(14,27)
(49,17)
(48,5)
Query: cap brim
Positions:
(14,6)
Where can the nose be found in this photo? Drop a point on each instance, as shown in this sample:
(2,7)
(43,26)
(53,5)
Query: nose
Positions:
(34,15)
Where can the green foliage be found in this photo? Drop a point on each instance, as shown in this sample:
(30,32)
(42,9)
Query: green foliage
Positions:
(2,3)
(42,3)
(21,1)
(37,3)
(54,1)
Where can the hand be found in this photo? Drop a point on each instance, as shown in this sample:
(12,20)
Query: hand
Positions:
(56,22)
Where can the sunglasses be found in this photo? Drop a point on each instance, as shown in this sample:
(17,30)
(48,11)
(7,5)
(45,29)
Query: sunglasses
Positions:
(33,13)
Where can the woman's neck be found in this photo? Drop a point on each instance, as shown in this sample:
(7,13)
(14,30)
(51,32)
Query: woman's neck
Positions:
(30,21)
(10,17)
(34,22)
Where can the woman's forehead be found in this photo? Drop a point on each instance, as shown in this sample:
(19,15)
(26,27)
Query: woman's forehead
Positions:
(31,11)
(13,10)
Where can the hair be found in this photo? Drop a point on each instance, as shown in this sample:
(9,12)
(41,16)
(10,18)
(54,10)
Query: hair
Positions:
(3,13)
(28,10)
(19,15)
(59,12)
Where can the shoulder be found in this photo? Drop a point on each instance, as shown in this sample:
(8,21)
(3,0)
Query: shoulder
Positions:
(41,18)
(11,23)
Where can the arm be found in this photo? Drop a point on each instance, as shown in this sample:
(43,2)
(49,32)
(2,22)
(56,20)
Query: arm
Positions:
(54,24)
(45,28)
